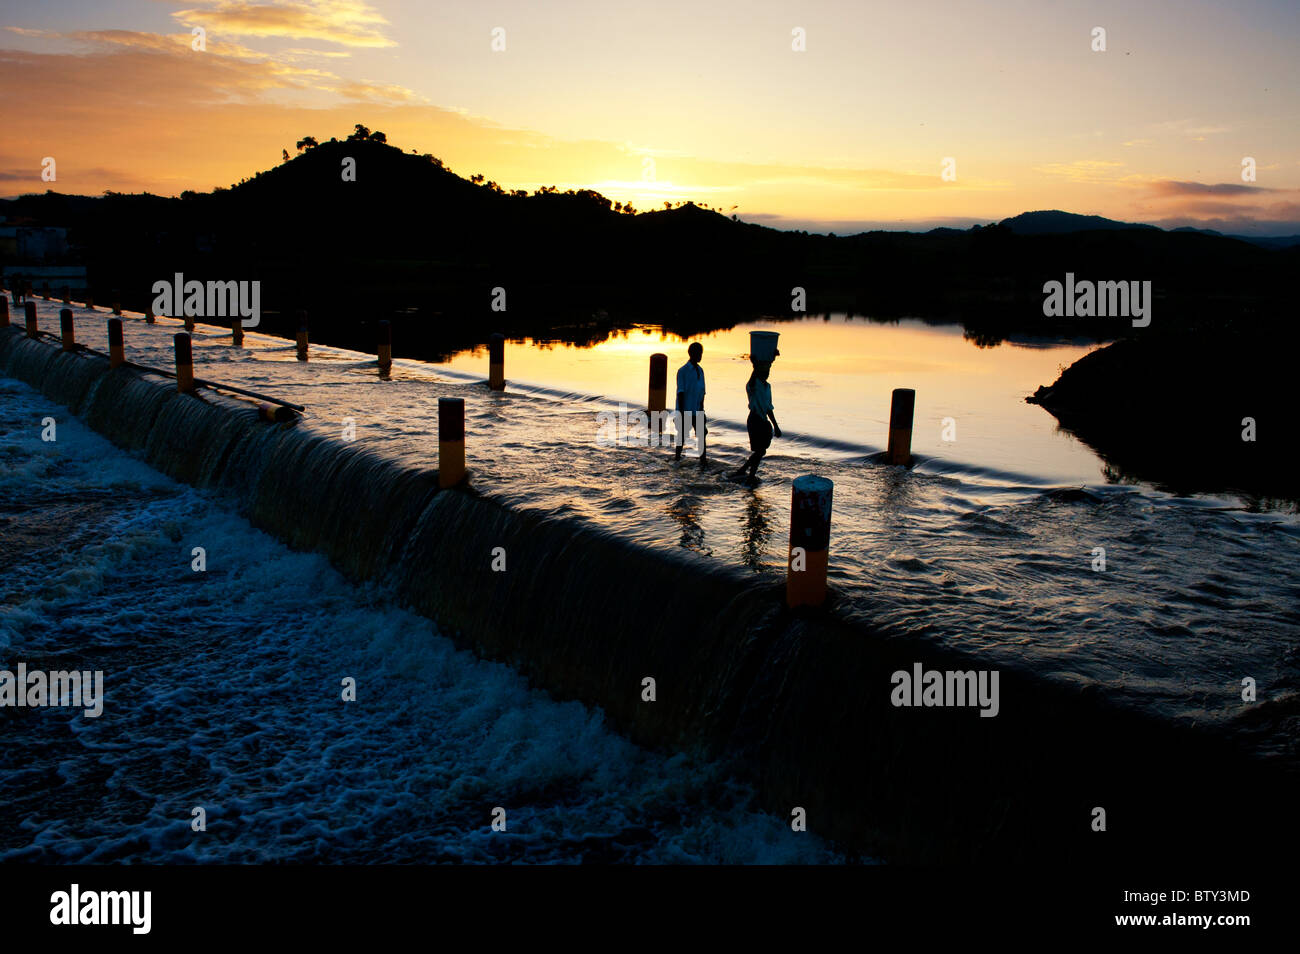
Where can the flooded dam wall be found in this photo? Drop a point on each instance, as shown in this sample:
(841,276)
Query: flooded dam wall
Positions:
(798,702)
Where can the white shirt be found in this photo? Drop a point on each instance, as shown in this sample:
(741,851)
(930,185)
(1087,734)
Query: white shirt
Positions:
(760,396)
(690,385)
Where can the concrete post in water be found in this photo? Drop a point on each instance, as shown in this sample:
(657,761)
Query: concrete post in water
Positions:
(45,290)
(451,441)
(810,534)
(68,330)
(497,362)
(384,350)
(29,311)
(116,347)
(184,363)
(67,295)
(4,312)
(900,427)
(302,336)
(658,383)
(148,313)
(188,322)
(117,302)
(237,331)
(90,301)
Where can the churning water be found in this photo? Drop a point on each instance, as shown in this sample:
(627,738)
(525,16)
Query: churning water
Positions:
(223,691)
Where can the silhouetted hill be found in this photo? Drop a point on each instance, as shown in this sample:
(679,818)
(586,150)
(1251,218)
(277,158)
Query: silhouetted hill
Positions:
(1056,222)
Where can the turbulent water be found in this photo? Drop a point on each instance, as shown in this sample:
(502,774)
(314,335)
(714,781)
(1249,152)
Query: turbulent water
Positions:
(223,691)
(1195,594)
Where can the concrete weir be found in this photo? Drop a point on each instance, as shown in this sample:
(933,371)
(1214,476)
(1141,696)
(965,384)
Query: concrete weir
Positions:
(801,703)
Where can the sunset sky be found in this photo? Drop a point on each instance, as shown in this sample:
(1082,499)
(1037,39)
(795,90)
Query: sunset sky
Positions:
(848,134)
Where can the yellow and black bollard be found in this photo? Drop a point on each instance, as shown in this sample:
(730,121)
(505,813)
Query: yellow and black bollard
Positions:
(67,328)
(184,363)
(451,441)
(810,534)
(116,346)
(384,350)
(497,362)
(901,409)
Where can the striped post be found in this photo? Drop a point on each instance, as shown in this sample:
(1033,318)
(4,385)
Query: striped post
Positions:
(497,362)
(29,311)
(900,426)
(184,363)
(302,335)
(68,329)
(384,350)
(116,346)
(810,533)
(451,441)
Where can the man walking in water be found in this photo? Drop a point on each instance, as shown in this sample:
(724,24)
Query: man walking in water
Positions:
(760,412)
(690,400)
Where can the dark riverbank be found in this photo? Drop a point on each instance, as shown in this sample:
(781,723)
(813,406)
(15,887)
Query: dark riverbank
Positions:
(1205,412)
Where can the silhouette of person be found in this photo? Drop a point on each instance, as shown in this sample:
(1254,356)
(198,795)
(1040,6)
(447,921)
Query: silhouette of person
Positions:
(690,400)
(760,412)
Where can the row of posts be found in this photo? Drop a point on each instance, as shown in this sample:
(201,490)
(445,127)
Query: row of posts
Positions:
(811,496)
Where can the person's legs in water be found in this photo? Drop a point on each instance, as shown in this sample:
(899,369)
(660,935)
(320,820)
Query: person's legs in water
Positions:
(760,439)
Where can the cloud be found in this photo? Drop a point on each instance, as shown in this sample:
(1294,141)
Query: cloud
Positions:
(1083,170)
(366,91)
(1166,188)
(1190,128)
(346,22)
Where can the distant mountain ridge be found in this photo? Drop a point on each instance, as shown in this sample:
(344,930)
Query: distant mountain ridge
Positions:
(1056,222)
